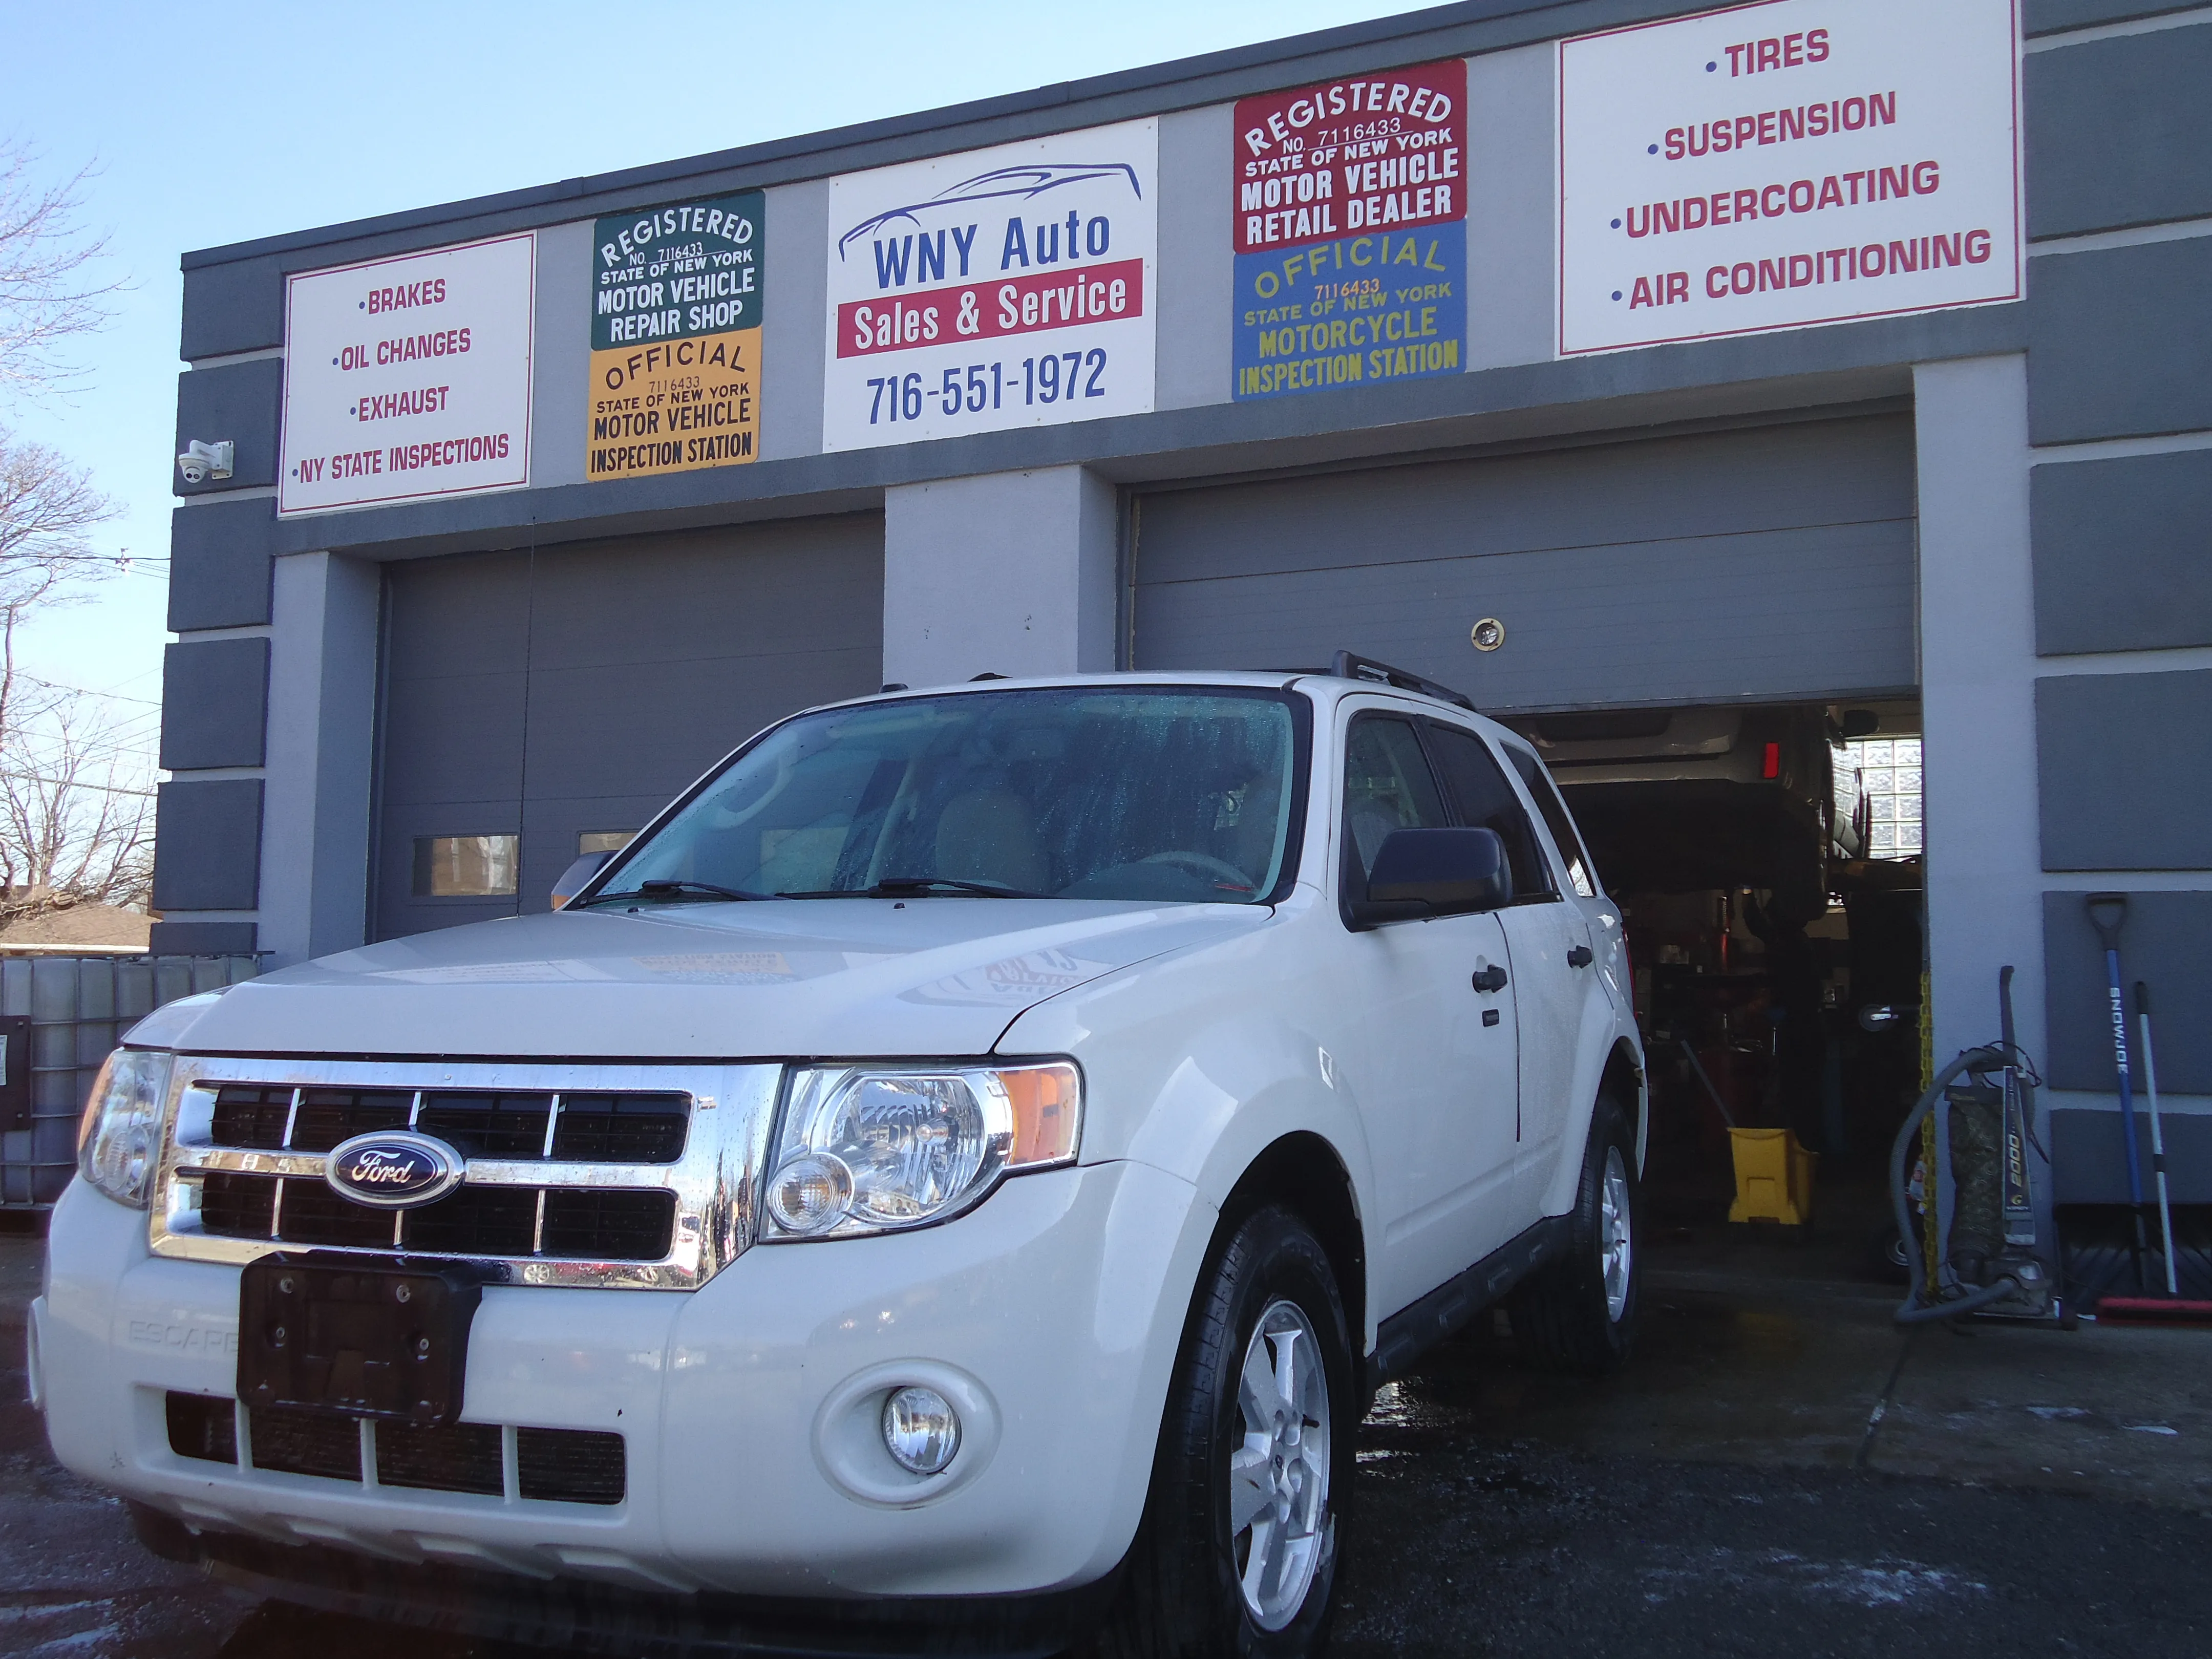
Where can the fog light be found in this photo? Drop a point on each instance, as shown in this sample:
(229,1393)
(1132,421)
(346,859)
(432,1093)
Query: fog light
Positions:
(921,1430)
(810,1194)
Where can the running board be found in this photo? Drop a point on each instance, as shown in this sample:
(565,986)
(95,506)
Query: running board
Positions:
(1407,1334)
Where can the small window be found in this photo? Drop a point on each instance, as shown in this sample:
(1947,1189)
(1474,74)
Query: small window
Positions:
(1487,801)
(465,866)
(604,841)
(1581,876)
(1387,785)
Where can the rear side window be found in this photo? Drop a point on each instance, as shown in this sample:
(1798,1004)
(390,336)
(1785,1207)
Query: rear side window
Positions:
(1387,785)
(1580,874)
(1487,801)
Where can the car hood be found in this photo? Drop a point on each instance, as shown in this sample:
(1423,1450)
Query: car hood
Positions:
(846,977)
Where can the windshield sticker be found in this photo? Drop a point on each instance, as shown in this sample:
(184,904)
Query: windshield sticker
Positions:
(1350,231)
(676,304)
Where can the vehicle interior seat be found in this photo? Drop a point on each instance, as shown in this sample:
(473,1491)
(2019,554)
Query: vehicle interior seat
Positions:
(988,834)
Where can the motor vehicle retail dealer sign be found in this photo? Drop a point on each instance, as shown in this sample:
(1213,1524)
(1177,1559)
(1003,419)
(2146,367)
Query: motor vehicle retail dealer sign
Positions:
(676,307)
(1350,231)
(1002,287)
(1788,163)
(407,378)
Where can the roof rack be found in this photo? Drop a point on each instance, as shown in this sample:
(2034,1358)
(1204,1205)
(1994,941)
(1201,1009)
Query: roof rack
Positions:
(1346,667)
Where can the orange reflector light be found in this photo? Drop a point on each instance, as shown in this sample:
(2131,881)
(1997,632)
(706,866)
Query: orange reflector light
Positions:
(1048,1103)
(1773,766)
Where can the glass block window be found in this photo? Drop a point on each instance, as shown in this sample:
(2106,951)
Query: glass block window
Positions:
(604,841)
(1890,769)
(464,867)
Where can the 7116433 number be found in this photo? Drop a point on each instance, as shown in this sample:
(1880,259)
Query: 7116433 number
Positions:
(1061,378)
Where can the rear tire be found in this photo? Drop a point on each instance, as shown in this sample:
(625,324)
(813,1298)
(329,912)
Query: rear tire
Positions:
(1238,1552)
(1579,1314)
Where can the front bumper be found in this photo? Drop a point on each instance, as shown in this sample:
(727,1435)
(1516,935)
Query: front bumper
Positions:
(753,1465)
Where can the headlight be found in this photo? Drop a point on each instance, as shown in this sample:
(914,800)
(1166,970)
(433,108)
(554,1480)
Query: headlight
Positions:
(871,1150)
(120,1141)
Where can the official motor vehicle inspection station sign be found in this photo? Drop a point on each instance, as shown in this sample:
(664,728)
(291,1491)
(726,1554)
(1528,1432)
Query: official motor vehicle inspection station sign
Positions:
(1788,163)
(677,299)
(407,378)
(1350,218)
(1001,288)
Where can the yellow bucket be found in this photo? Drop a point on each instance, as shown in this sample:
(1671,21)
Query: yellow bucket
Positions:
(1773,1178)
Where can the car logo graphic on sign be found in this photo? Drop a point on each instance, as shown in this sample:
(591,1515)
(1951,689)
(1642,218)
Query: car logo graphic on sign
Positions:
(393,1169)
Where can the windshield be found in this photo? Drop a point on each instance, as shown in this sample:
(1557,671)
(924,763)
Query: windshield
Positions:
(1083,792)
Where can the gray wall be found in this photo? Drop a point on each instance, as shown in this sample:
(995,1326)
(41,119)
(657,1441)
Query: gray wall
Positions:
(2124,553)
(2126,763)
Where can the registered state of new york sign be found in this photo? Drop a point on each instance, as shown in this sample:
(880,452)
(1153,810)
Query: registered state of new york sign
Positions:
(1785,164)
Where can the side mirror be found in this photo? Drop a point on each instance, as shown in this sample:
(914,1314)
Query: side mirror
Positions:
(1435,872)
(573,879)
(1861,722)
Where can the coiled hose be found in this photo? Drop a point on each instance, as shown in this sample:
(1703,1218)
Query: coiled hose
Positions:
(1919,1309)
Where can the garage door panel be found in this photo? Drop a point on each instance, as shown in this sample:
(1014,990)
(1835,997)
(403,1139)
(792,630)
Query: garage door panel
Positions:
(648,659)
(447,617)
(599,745)
(459,736)
(1819,472)
(1708,602)
(822,582)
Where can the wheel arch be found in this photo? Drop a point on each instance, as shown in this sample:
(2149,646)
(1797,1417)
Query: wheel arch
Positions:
(1302,1171)
(1623,1078)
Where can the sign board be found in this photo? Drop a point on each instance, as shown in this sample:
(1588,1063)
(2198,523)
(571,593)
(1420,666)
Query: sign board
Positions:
(1788,163)
(407,378)
(1002,287)
(677,299)
(1350,217)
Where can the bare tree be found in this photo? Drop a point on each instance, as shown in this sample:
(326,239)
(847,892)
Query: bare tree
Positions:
(48,295)
(75,807)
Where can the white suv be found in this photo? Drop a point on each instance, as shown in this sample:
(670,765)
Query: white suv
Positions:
(958,1176)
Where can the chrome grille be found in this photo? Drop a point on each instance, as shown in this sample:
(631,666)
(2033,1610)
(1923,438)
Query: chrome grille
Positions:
(632,1176)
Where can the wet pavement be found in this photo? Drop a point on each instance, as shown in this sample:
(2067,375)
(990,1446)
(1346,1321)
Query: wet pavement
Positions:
(1778,1472)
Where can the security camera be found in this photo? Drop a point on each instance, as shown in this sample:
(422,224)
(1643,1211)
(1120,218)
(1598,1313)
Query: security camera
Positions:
(201,461)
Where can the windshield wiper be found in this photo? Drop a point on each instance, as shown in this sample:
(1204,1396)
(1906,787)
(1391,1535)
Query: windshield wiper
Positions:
(918,886)
(666,888)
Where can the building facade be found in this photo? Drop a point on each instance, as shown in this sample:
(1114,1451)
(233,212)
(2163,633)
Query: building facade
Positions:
(1373,335)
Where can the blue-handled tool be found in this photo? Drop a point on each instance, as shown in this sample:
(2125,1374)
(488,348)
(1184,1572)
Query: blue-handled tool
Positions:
(2108,913)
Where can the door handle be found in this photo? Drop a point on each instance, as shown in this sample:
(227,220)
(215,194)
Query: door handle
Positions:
(1492,978)
(1578,956)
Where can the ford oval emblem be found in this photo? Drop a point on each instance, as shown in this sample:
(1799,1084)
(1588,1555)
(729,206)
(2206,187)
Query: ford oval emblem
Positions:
(393,1169)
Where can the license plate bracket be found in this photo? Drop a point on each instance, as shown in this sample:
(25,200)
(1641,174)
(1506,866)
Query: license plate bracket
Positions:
(385,1340)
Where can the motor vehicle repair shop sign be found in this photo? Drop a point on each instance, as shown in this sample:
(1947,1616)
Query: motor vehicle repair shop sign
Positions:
(1350,231)
(1003,287)
(1778,165)
(677,298)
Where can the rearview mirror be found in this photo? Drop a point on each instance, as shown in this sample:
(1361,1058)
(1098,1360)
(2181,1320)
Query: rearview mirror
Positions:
(1435,872)
(576,875)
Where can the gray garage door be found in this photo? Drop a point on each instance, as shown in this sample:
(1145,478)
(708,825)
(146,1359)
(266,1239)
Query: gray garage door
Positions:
(1771,563)
(572,691)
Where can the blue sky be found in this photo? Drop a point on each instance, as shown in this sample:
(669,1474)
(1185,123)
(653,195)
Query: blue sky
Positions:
(273,118)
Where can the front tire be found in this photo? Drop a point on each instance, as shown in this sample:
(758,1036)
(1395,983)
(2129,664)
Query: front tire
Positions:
(1238,1549)
(1579,1314)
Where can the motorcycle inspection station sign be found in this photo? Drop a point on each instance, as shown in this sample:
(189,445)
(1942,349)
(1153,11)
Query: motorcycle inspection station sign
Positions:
(1002,287)
(1784,164)
(407,378)
(1351,232)
(677,299)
